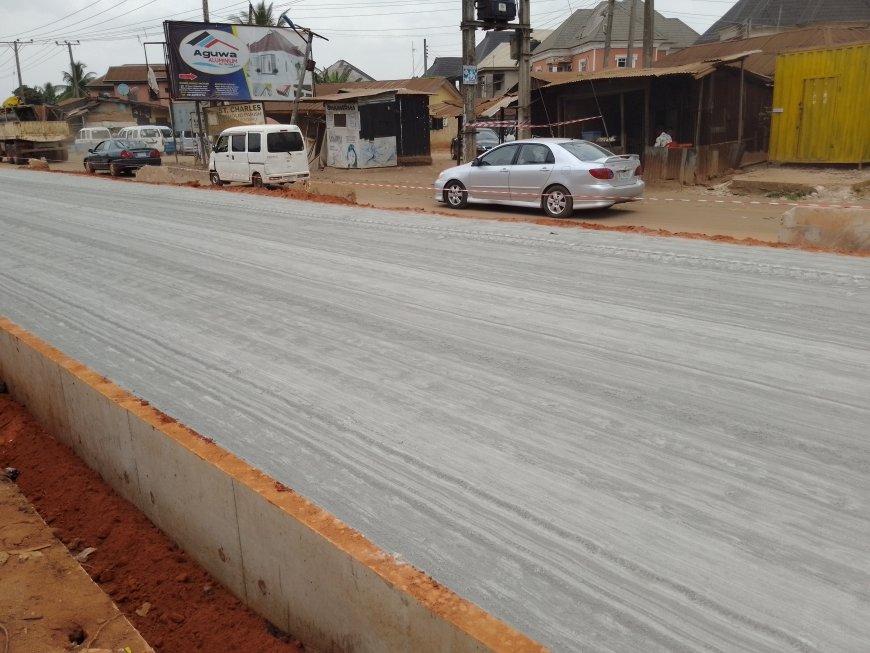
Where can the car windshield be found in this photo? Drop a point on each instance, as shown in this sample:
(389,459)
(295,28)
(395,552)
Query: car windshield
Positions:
(486,135)
(586,151)
(284,142)
(167,133)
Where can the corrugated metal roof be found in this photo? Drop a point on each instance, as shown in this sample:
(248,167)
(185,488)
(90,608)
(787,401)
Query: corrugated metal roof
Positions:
(487,107)
(275,41)
(696,70)
(131,72)
(786,13)
(360,93)
(763,62)
(428,85)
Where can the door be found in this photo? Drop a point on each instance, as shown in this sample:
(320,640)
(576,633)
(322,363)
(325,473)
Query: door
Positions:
(489,178)
(237,166)
(285,153)
(99,159)
(531,171)
(815,128)
(221,157)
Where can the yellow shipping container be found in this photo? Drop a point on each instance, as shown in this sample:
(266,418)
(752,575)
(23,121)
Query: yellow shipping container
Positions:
(821,106)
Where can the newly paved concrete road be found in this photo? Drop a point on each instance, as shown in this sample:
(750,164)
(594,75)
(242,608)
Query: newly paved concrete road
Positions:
(614,443)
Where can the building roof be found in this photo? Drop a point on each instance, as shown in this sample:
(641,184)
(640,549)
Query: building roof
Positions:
(697,69)
(353,94)
(763,62)
(587,26)
(491,41)
(426,85)
(786,13)
(450,67)
(486,107)
(275,42)
(130,72)
(341,65)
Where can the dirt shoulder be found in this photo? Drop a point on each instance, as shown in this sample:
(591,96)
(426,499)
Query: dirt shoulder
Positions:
(667,208)
(140,577)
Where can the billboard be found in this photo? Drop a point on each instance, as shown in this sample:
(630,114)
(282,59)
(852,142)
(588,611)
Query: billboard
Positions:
(233,115)
(219,61)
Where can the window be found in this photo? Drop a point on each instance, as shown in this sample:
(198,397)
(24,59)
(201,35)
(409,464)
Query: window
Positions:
(535,155)
(586,151)
(339,120)
(502,156)
(285,142)
(237,142)
(377,120)
(266,64)
(222,143)
(149,133)
(254,141)
(497,82)
(438,123)
(583,65)
(622,59)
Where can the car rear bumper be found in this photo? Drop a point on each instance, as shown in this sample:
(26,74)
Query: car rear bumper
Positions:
(606,194)
(137,163)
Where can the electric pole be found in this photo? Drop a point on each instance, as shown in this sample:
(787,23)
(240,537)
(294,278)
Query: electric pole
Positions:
(648,19)
(608,32)
(15,45)
(524,68)
(469,86)
(425,57)
(72,65)
(205,11)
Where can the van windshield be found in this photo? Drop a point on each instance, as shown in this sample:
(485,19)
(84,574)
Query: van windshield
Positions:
(285,142)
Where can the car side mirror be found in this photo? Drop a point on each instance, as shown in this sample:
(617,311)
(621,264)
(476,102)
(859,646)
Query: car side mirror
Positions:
(475,162)
(91,150)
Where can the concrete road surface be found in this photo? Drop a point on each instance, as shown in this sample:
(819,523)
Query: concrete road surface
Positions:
(614,443)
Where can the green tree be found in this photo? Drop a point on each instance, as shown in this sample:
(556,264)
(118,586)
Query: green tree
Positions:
(28,94)
(331,76)
(258,14)
(77,80)
(51,94)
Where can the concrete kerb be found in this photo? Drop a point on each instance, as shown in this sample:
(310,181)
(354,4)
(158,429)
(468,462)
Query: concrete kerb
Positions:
(289,560)
(841,229)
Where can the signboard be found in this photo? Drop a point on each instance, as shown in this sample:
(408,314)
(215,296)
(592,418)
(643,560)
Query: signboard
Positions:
(219,61)
(233,115)
(469,75)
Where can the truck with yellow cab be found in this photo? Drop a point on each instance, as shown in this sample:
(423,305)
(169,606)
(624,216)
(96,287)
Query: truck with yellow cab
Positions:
(29,131)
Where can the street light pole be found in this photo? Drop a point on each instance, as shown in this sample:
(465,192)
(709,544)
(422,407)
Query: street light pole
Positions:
(72,65)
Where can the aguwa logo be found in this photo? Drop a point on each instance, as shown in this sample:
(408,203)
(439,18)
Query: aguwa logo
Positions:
(213,52)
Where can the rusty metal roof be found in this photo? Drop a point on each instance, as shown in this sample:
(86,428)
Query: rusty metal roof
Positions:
(131,72)
(352,94)
(763,61)
(428,85)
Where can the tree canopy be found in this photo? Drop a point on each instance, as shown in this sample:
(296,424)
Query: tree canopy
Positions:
(258,14)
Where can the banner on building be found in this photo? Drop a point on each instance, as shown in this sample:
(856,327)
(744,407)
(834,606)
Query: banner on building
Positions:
(219,61)
(233,115)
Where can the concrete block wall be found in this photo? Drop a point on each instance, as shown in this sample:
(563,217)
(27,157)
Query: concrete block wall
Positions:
(290,561)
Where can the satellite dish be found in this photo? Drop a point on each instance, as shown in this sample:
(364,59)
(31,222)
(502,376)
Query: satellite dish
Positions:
(123,89)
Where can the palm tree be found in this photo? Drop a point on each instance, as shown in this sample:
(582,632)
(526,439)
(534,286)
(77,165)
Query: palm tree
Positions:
(77,80)
(258,14)
(51,94)
(331,76)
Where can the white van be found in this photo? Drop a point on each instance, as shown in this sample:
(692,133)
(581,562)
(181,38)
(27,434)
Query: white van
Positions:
(152,135)
(89,137)
(259,154)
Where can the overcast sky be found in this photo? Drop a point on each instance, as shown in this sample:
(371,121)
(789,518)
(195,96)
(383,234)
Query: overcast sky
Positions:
(383,38)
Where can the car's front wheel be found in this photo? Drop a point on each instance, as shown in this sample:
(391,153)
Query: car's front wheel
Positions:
(455,195)
(215,179)
(557,202)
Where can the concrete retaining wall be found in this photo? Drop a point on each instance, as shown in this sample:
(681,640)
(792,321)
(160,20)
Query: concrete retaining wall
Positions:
(290,561)
(842,229)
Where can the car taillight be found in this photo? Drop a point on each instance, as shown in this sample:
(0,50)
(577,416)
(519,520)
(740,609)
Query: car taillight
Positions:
(155,154)
(601,173)
(126,155)
(638,171)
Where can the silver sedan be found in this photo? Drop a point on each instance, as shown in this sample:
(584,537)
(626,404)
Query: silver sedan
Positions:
(556,174)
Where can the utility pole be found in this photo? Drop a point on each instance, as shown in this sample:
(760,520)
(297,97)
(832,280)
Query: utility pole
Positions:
(608,32)
(205,11)
(469,90)
(425,57)
(15,45)
(72,65)
(524,68)
(309,37)
(649,14)
(630,45)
